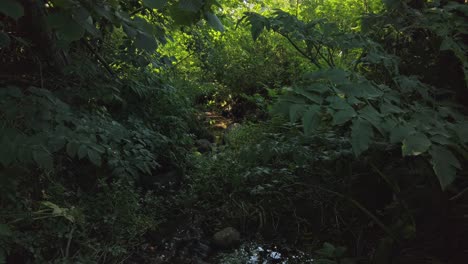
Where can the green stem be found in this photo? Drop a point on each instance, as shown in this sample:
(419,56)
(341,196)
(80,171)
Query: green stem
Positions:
(364,210)
(396,190)
(301,51)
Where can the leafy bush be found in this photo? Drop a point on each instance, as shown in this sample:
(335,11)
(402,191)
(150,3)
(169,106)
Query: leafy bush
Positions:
(44,141)
(402,109)
(259,180)
(365,140)
(73,173)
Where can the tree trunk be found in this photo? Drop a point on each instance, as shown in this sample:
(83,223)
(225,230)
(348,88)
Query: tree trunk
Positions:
(35,28)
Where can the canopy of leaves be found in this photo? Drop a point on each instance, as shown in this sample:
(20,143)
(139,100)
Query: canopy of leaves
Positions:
(348,123)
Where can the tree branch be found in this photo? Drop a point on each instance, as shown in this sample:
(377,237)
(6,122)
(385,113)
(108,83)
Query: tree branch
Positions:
(137,11)
(317,47)
(315,62)
(99,57)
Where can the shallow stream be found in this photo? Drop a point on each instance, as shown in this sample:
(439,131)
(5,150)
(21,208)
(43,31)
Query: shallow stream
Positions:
(254,253)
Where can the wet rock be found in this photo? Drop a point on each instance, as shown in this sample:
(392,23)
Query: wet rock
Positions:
(203,145)
(226,238)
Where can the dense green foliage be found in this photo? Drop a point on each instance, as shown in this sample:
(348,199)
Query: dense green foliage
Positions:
(353,142)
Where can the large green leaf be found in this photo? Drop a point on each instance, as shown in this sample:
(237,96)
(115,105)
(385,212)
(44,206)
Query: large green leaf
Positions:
(362,89)
(72,148)
(361,135)
(146,42)
(351,90)
(191,5)
(311,119)
(309,95)
(43,158)
(335,76)
(388,124)
(281,107)
(129,30)
(389,108)
(258,24)
(372,115)
(318,87)
(214,21)
(57,142)
(343,116)
(13,91)
(296,111)
(400,132)
(82,151)
(182,16)
(83,17)
(67,28)
(72,31)
(94,157)
(90,28)
(370,90)
(415,144)
(155,4)
(445,165)
(80,14)
(338,103)
(440,139)
(408,84)
(11,8)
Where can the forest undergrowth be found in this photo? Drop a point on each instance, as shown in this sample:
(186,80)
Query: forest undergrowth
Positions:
(179,131)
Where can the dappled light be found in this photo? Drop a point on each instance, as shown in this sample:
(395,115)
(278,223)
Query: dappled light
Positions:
(233,132)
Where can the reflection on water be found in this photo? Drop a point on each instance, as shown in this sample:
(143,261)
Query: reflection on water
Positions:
(252,253)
